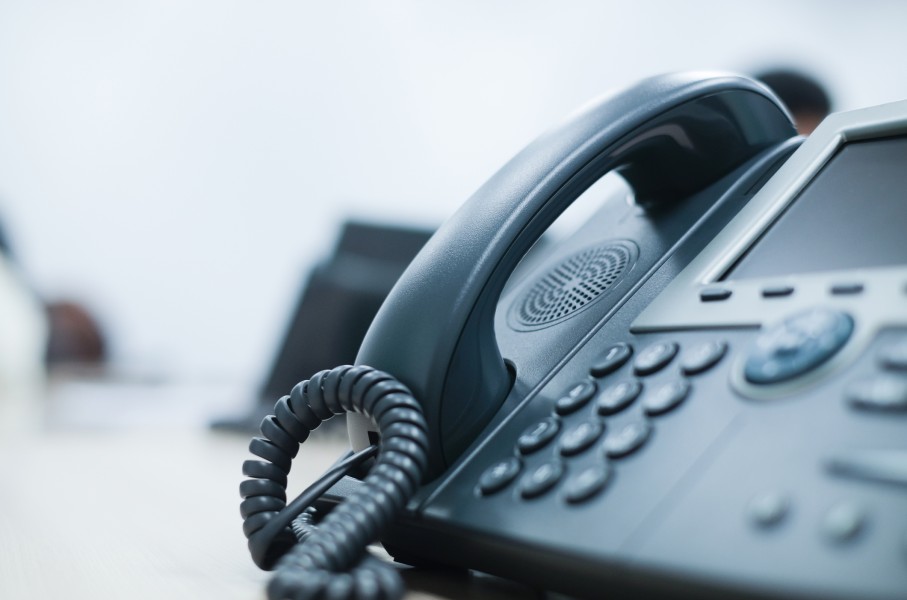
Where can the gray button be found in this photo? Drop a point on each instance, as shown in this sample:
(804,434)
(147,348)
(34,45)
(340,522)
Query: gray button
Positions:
(666,397)
(777,291)
(611,359)
(702,357)
(880,392)
(768,509)
(617,397)
(844,289)
(575,398)
(538,435)
(541,480)
(797,345)
(881,466)
(655,358)
(627,440)
(499,475)
(894,356)
(580,437)
(587,483)
(714,294)
(843,522)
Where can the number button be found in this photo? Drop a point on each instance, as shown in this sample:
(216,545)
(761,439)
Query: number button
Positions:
(537,436)
(655,358)
(541,480)
(611,360)
(575,398)
(498,476)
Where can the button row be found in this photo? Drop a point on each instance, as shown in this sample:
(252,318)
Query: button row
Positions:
(698,359)
(716,293)
(612,400)
(576,440)
(842,523)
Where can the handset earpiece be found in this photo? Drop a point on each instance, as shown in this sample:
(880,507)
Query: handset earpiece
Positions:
(667,136)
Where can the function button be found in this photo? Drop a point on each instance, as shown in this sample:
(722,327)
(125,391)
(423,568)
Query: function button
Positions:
(843,522)
(498,476)
(846,289)
(768,509)
(580,437)
(894,356)
(587,483)
(702,357)
(627,440)
(883,466)
(538,435)
(797,345)
(575,398)
(880,392)
(541,480)
(611,359)
(777,291)
(713,294)
(655,358)
(666,398)
(617,397)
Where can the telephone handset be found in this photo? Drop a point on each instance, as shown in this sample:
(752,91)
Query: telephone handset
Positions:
(623,416)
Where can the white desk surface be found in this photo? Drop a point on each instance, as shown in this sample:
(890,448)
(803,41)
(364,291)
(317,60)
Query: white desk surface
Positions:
(106,495)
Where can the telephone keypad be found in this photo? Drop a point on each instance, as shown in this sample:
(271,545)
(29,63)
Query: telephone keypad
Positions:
(580,438)
(655,358)
(538,436)
(627,440)
(541,479)
(611,360)
(499,475)
(617,397)
(575,398)
(666,398)
(587,483)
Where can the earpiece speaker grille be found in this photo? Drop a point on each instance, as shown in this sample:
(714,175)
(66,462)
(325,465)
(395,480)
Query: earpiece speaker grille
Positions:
(574,284)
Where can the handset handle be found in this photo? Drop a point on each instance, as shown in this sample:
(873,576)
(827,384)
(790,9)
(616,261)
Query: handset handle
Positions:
(668,136)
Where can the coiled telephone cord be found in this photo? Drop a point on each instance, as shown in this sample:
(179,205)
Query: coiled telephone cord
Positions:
(329,560)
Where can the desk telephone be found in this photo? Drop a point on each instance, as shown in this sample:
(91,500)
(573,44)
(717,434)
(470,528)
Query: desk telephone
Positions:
(703,392)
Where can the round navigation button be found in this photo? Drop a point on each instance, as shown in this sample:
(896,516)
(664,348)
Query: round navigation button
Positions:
(797,345)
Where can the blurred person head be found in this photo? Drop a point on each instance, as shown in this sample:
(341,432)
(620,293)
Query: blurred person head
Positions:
(807,100)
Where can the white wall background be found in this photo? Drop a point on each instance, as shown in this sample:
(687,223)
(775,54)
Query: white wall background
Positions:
(178,166)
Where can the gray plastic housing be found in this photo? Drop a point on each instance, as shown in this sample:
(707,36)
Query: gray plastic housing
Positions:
(677,517)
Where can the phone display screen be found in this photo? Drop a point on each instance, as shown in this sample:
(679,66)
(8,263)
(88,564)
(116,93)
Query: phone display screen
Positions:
(852,215)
